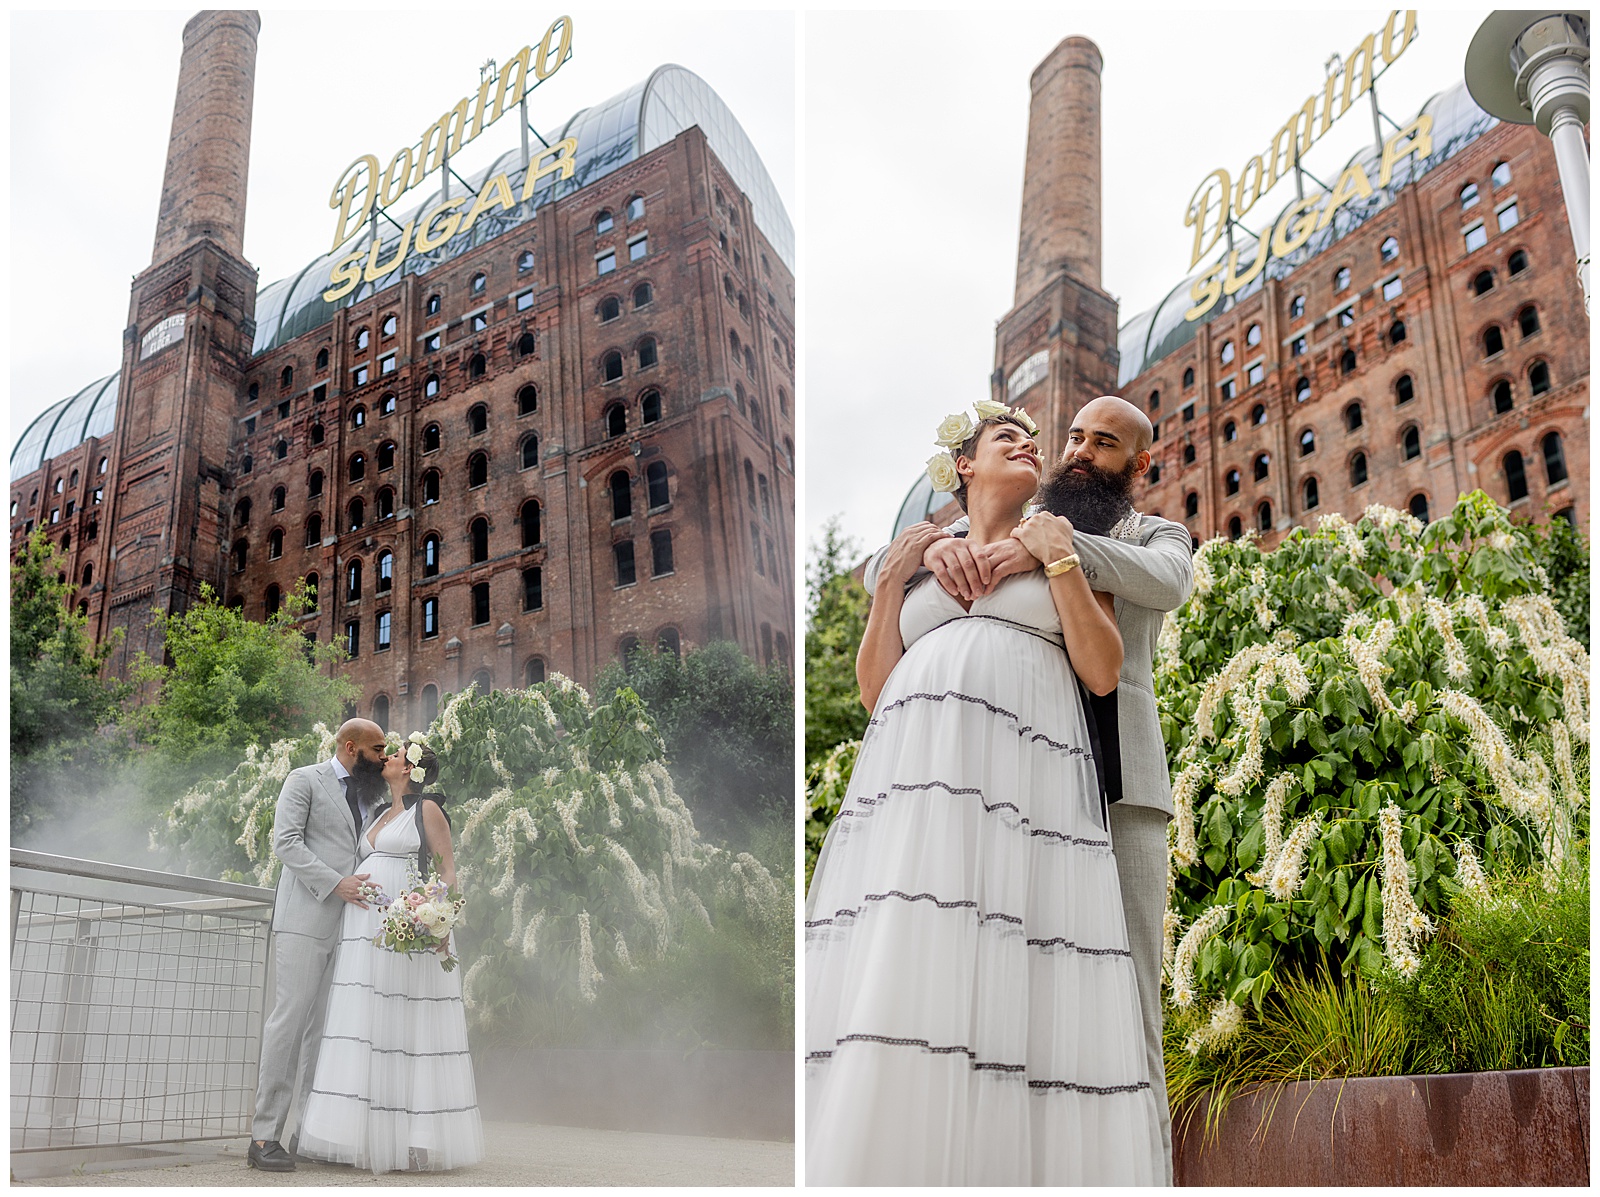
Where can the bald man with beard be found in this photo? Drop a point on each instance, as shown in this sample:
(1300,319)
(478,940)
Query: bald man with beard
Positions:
(1145,562)
(314,833)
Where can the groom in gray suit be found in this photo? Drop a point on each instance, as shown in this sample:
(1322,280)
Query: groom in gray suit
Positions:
(314,834)
(1145,562)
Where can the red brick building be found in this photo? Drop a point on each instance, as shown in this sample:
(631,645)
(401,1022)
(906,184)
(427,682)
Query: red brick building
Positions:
(1430,340)
(564,431)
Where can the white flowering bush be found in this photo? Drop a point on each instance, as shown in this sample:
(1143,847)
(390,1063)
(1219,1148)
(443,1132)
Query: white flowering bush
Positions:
(1358,722)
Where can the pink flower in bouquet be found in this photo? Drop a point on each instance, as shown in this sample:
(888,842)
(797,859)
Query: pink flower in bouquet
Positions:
(414,900)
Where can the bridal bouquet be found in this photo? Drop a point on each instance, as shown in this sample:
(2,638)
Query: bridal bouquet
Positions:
(421,919)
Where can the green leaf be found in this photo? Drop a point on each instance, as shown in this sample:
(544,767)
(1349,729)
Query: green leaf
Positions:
(1372,914)
(1341,885)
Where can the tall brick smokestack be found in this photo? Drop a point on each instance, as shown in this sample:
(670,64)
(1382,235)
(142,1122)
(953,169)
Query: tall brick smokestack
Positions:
(208,156)
(1061,182)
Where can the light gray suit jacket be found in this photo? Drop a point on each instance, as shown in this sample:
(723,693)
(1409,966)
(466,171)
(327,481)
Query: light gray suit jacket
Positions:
(1149,576)
(315,837)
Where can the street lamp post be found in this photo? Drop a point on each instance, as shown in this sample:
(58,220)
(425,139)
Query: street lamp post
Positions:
(1532,68)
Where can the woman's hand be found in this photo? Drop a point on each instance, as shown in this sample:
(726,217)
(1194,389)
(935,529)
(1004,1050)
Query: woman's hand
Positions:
(904,557)
(1048,537)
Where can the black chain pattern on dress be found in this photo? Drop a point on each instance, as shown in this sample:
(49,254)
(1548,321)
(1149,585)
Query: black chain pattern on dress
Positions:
(988,808)
(978,1065)
(1069,749)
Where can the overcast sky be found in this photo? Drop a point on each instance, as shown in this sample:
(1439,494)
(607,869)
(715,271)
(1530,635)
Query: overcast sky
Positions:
(91,111)
(915,132)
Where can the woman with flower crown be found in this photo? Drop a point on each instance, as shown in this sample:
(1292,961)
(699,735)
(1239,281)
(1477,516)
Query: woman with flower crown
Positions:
(394,1089)
(972,1015)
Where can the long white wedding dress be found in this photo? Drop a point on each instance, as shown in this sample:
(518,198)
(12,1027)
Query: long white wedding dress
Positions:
(971,1010)
(393,1089)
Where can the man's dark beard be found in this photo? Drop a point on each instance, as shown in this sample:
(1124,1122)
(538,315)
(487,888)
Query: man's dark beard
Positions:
(1093,499)
(366,780)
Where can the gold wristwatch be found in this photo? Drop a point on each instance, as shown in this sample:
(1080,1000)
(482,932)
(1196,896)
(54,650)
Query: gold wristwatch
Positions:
(1056,568)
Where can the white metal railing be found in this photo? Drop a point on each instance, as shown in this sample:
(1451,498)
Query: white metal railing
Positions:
(136,1004)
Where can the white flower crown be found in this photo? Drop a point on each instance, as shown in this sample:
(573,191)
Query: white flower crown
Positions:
(953,432)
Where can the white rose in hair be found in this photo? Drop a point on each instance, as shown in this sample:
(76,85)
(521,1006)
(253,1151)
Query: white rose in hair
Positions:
(414,753)
(987,409)
(953,430)
(942,473)
(418,775)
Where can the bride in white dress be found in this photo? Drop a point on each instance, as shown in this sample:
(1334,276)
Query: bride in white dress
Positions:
(971,1010)
(393,1089)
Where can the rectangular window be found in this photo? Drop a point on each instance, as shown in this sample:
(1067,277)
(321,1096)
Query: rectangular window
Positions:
(606,262)
(385,630)
(533,589)
(1476,237)
(321,393)
(1297,347)
(99,494)
(638,248)
(71,507)
(430,618)
(623,553)
(250,426)
(386,365)
(1227,389)
(524,301)
(283,410)
(480,604)
(480,321)
(430,344)
(1255,373)
(1507,216)
(1188,411)
(660,553)
(55,515)
(1392,288)
(361,375)
(1347,316)
(352,637)
(755,544)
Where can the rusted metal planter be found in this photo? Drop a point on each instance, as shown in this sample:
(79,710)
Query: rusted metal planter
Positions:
(1485,1128)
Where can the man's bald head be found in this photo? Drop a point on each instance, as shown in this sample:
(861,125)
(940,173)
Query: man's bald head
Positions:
(1114,413)
(360,742)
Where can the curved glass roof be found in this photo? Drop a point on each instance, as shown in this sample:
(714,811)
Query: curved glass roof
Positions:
(921,503)
(610,135)
(61,426)
(1153,334)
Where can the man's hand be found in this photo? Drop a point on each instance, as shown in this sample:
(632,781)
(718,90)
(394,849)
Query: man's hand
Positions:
(967,571)
(1047,537)
(905,553)
(349,888)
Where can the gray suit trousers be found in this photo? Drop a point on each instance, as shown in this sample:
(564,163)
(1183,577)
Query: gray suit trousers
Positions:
(1139,839)
(293,1030)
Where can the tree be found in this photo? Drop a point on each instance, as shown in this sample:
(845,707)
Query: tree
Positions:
(234,683)
(1563,551)
(728,727)
(836,619)
(58,699)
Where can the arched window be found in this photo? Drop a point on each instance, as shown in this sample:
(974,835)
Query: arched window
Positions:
(363,339)
(656,484)
(1555,458)
(1230,482)
(430,386)
(1235,528)
(479,282)
(430,556)
(386,405)
(477,419)
(246,464)
(380,704)
(1230,431)
(526,344)
(1358,469)
(533,589)
(1389,250)
(278,497)
(275,544)
(530,451)
(533,671)
(105,463)
(1501,175)
(1469,196)
(1341,278)
(1419,507)
(1264,517)
(273,601)
(1258,414)
(524,261)
(642,295)
(1302,389)
(1308,442)
(1252,336)
(621,495)
(313,530)
(647,353)
(386,456)
(1226,356)
(608,308)
(529,518)
(755,415)
(1188,454)
(1483,282)
(358,416)
(1493,342)
(358,467)
(611,367)
(430,439)
(603,223)
(1538,378)
(385,573)
(1347,361)
(616,420)
(430,487)
(1352,416)
(433,305)
(358,515)
(1191,504)
(1404,391)
(316,434)
(1397,332)
(352,581)
(1516,476)
(286,379)
(241,554)
(477,470)
(1308,492)
(1262,466)
(241,511)
(1502,397)
(1155,400)
(322,360)
(280,450)
(1410,443)
(312,582)
(478,533)
(1188,377)
(528,400)
(667,641)
(477,366)
(385,503)
(650,407)
(1517,262)
(480,611)
(1528,320)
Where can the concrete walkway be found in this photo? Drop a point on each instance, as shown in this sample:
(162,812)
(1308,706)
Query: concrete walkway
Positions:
(518,1154)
